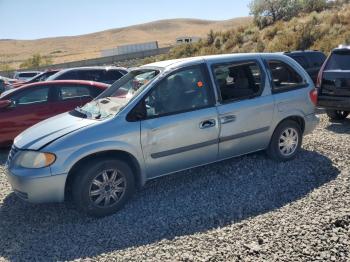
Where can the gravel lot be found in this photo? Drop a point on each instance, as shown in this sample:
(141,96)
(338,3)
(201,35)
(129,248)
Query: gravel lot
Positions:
(248,209)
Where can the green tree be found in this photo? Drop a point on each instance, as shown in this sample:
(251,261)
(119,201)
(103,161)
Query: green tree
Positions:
(217,43)
(267,12)
(314,5)
(210,38)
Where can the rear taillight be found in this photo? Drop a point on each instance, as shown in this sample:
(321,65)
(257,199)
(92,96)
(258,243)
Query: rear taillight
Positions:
(313,96)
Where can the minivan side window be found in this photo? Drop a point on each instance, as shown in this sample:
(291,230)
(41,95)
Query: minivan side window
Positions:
(184,90)
(238,80)
(284,77)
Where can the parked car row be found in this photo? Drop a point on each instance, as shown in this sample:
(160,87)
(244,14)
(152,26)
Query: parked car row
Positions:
(107,75)
(160,118)
(50,93)
(156,120)
(104,74)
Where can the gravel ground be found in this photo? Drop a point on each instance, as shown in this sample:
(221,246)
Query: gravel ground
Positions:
(244,209)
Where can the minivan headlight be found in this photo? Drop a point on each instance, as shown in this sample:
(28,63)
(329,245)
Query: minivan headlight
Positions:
(34,159)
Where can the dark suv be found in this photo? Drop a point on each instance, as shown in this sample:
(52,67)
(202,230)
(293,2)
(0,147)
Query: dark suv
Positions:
(310,60)
(333,84)
(104,74)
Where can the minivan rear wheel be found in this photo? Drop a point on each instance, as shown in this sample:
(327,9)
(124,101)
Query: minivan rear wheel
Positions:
(286,141)
(103,187)
(337,114)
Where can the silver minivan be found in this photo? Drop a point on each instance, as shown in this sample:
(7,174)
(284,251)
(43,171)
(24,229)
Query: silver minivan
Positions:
(162,118)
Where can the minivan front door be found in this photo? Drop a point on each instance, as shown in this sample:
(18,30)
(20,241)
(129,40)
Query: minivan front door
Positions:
(181,129)
(180,141)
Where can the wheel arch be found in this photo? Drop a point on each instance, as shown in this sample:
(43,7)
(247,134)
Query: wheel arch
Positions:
(116,154)
(296,118)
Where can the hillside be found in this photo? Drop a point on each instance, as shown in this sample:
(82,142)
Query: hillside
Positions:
(64,49)
(322,31)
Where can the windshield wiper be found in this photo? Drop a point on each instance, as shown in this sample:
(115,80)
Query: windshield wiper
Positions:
(79,113)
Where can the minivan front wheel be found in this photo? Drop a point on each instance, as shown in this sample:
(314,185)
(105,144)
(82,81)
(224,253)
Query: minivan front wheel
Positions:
(337,114)
(286,141)
(103,187)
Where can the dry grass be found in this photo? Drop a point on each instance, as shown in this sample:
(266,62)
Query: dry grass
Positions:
(322,31)
(64,49)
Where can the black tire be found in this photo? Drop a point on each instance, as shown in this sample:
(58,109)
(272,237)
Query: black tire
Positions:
(275,151)
(83,185)
(337,114)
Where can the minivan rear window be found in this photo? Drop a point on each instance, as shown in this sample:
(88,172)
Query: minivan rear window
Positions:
(339,60)
(284,77)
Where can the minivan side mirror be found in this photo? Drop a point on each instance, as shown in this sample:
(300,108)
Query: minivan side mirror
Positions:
(138,113)
(5,103)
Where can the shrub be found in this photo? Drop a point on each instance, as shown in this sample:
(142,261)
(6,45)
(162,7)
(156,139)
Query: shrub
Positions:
(317,30)
(36,61)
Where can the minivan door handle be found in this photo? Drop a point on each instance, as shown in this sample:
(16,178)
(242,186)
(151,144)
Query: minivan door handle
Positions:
(207,123)
(227,119)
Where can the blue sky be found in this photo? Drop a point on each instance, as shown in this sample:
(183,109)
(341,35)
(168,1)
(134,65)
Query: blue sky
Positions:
(32,19)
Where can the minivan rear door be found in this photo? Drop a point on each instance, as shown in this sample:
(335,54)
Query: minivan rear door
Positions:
(245,110)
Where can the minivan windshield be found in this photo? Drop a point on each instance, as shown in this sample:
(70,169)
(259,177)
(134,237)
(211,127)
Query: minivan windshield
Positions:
(339,60)
(118,95)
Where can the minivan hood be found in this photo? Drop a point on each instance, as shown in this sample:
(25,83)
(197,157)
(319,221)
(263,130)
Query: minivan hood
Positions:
(47,131)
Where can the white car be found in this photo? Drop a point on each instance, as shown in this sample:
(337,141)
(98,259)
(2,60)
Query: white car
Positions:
(25,75)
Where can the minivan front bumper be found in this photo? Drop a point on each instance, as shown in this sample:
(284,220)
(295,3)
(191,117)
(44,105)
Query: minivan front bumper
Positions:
(38,189)
(334,102)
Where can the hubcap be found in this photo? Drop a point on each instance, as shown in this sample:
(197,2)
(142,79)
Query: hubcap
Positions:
(107,188)
(288,141)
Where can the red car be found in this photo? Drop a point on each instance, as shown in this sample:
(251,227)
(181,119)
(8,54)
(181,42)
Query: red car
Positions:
(27,105)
